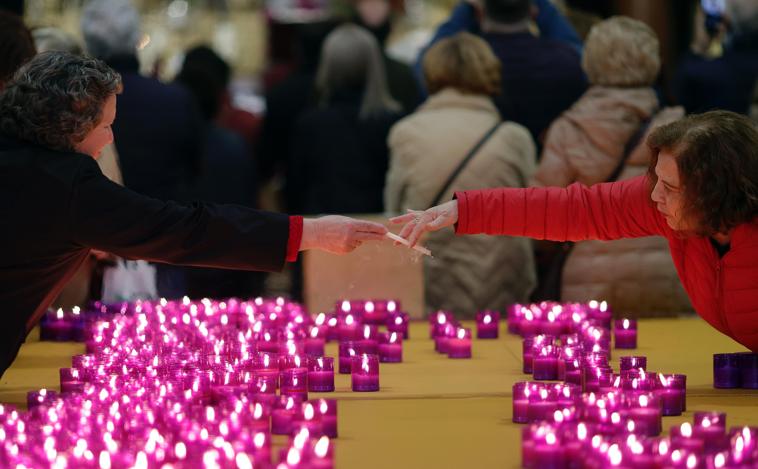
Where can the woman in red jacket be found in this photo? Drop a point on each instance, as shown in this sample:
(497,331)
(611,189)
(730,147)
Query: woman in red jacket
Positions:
(700,193)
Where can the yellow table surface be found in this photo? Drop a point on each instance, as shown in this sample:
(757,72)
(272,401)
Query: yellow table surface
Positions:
(440,413)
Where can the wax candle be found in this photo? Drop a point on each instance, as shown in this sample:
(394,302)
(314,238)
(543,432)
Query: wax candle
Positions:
(349,328)
(264,382)
(55,327)
(749,366)
(527,355)
(398,322)
(294,382)
(459,346)
(541,405)
(391,349)
(375,312)
(282,415)
(711,428)
(346,353)
(521,392)
(321,455)
(321,374)
(71,380)
(632,363)
(727,373)
(671,391)
(367,343)
(442,339)
(41,397)
(552,326)
(487,324)
(327,409)
(307,418)
(646,415)
(365,373)
(549,452)
(682,437)
(625,333)
(545,366)
(315,343)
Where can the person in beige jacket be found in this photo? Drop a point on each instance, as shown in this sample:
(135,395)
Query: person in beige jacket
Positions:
(588,142)
(472,273)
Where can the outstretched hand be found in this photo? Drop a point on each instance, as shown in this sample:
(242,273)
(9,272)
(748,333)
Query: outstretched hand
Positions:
(338,234)
(417,222)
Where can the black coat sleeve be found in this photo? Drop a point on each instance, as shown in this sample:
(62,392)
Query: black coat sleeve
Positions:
(108,217)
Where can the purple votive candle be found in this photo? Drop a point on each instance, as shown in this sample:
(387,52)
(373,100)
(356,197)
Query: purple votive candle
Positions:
(314,344)
(527,357)
(265,381)
(549,452)
(487,324)
(459,346)
(294,382)
(307,418)
(327,409)
(391,350)
(56,327)
(346,351)
(646,415)
(545,365)
(41,397)
(521,393)
(625,333)
(71,380)
(281,416)
(367,343)
(726,371)
(749,367)
(398,322)
(542,405)
(710,427)
(632,363)
(365,375)
(321,374)
(349,329)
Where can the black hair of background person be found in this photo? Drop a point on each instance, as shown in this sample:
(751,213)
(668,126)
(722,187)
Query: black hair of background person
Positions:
(13,6)
(16,45)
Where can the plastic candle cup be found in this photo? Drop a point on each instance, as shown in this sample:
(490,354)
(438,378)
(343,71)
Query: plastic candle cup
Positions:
(521,393)
(632,363)
(545,366)
(294,382)
(307,418)
(391,350)
(436,322)
(683,438)
(365,373)
(56,327)
(349,328)
(670,389)
(267,363)
(327,409)
(487,324)
(552,326)
(315,343)
(282,415)
(513,315)
(367,343)
(711,428)
(442,338)
(646,415)
(264,382)
(749,367)
(41,397)
(321,454)
(70,379)
(573,371)
(527,355)
(346,353)
(321,374)
(398,322)
(727,373)
(459,346)
(542,405)
(549,452)
(625,333)
(375,312)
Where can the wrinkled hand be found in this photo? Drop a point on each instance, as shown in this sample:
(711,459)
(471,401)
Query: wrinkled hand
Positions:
(338,234)
(433,219)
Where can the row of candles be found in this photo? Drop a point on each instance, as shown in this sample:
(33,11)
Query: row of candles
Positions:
(195,383)
(735,370)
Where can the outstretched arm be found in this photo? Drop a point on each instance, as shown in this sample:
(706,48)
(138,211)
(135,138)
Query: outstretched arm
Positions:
(603,211)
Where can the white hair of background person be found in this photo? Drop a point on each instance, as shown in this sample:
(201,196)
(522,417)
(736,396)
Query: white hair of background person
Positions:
(351,56)
(110,28)
(52,38)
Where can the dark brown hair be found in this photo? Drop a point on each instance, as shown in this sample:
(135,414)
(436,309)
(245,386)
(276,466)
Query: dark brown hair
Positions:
(16,45)
(717,157)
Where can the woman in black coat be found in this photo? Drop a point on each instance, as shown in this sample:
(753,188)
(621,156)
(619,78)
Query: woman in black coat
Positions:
(55,118)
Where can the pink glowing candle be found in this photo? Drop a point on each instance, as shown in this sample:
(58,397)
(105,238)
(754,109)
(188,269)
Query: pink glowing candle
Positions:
(683,438)
(71,380)
(459,346)
(545,366)
(294,382)
(309,419)
(367,343)
(646,415)
(521,393)
(56,327)
(349,328)
(398,322)
(281,417)
(41,397)
(314,344)
(487,325)
(672,395)
(321,374)
(549,452)
(346,353)
(391,349)
(625,334)
(327,409)
(365,373)
(542,405)
(711,428)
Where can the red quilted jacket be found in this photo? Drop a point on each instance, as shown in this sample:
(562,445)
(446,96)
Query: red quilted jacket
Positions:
(724,291)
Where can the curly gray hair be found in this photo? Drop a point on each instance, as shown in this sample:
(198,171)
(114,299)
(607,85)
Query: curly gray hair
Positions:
(110,28)
(56,99)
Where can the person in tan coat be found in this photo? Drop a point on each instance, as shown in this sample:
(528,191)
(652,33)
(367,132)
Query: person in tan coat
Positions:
(588,142)
(476,272)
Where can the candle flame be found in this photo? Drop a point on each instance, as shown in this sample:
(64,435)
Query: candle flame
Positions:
(393,338)
(691,461)
(349,319)
(593,304)
(686,430)
(243,461)
(550,439)
(719,461)
(739,445)
(441,318)
(487,319)
(59,313)
(528,315)
(346,306)
(746,434)
(259,440)
(258,412)
(364,364)
(558,416)
(314,332)
(290,404)
(461,333)
(625,324)
(301,438)
(293,457)
(369,307)
(367,332)
(581,431)
(322,447)
(323,407)
(104,460)
(604,306)
(663,448)
(706,422)
(308,412)
(614,455)
(391,306)
(643,401)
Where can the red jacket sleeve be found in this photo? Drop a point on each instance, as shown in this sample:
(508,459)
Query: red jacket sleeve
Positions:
(603,211)
(295,236)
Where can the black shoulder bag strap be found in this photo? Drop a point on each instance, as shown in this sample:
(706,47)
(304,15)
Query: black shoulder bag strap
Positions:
(463,164)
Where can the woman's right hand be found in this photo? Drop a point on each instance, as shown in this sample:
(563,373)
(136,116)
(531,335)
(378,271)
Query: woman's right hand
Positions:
(417,222)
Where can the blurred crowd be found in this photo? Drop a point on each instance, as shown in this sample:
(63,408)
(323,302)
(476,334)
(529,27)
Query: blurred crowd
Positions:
(507,93)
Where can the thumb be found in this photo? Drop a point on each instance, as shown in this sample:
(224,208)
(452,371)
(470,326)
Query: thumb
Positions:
(370,227)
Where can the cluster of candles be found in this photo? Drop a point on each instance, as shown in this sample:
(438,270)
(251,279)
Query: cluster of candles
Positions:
(555,319)
(62,326)
(201,383)
(735,370)
(570,440)
(450,337)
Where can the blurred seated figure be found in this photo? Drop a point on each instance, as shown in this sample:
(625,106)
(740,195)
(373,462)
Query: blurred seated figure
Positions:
(227,175)
(601,138)
(376,16)
(467,274)
(705,83)
(339,147)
